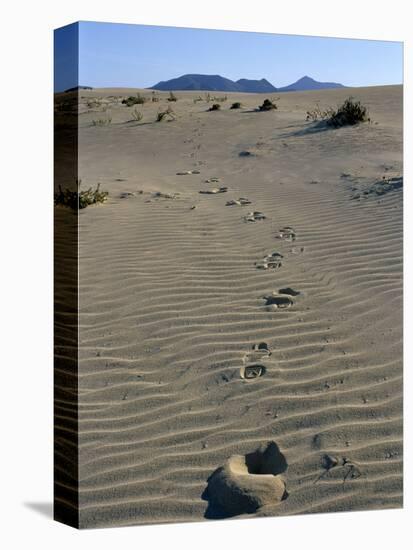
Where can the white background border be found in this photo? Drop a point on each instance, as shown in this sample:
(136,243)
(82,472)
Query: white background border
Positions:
(26,273)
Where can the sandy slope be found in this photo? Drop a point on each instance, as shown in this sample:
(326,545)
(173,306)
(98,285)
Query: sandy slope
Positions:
(172,303)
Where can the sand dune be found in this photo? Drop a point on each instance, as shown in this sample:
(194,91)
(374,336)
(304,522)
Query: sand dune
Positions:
(174,302)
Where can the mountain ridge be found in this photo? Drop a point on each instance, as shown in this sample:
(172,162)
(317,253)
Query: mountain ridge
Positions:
(218,83)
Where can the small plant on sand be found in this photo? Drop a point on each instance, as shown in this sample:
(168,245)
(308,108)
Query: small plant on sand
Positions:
(215,107)
(137,115)
(102,121)
(154,98)
(168,114)
(236,105)
(172,97)
(80,199)
(134,100)
(93,103)
(207,97)
(267,105)
(220,99)
(349,113)
(140,100)
(317,114)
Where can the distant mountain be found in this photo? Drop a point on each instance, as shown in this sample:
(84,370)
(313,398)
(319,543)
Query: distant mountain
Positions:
(217,83)
(255,86)
(214,83)
(76,88)
(209,83)
(307,83)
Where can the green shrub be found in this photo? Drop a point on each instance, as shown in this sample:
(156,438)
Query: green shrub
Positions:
(268,105)
(236,105)
(215,107)
(349,113)
(134,100)
(80,199)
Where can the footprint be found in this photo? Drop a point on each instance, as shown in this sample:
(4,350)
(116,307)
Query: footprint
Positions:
(252,371)
(253,368)
(159,195)
(286,233)
(238,202)
(187,172)
(278,301)
(214,191)
(289,291)
(245,483)
(254,217)
(270,261)
(262,348)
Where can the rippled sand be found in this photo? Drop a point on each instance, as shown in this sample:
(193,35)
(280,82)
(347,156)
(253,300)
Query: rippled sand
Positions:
(173,298)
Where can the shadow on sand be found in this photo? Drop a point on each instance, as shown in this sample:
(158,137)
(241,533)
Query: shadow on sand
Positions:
(309,129)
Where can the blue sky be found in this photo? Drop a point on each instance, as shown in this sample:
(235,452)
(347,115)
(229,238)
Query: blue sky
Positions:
(113,54)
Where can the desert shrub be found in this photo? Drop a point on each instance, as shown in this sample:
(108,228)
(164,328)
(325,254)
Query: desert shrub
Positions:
(93,103)
(220,99)
(154,98)
(198,99)
(267,105)
(207,97)
(102,121)
(172,97)
(236,105)
(168,114)
(134,100)
(349,113)
(317,114)
(80,199)
(137,115)
(215,107)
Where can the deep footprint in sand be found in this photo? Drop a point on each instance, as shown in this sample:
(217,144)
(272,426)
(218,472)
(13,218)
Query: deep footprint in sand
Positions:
(277,301)
(246,483)
(262,348)
(270,261)
(287,233)
(289,291)
(188,172)
(254,217)
(159,195)
(214,191)
(252,371)
(252,367)
(127,195)
(238,202)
